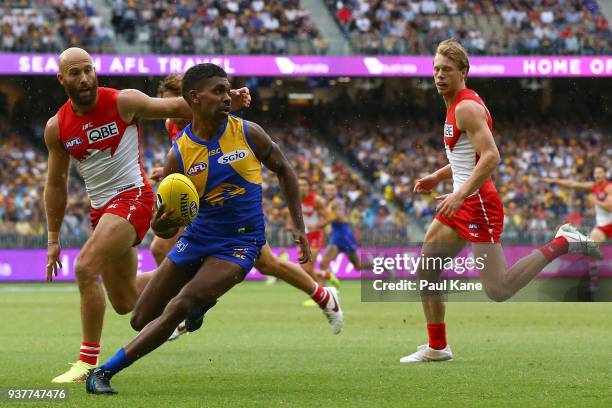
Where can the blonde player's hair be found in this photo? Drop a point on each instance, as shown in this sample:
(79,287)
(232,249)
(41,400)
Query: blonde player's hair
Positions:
(171,83)
(454,51)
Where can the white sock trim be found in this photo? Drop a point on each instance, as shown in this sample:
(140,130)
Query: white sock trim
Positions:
(316,289)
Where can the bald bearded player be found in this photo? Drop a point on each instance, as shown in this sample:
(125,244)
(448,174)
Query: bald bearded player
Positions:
(99,128)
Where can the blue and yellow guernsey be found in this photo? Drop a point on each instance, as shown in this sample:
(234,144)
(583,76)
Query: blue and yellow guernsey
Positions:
(228,178)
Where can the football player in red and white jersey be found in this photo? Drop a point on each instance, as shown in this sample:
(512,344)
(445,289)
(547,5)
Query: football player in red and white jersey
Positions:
(99,128)
(602,199)
(169,87)
(473,212)
(315,214)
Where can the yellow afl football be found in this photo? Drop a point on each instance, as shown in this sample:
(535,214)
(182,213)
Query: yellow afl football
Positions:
(178,192)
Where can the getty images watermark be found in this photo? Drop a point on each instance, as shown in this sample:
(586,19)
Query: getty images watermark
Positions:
(405,274)
(393,277)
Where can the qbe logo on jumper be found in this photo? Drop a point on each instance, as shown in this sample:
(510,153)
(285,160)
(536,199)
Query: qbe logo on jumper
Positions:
(103,132)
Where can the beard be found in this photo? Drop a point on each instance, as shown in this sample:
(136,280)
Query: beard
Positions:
(84,99)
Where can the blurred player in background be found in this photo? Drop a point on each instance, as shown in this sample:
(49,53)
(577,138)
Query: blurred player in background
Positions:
(267,263)
(219,248)
(315,214)
(602,199)
(169,87)
(473,212)
(99,128)
(341,238)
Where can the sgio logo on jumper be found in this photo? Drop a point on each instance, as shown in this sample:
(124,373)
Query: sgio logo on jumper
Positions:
(103,132)
(234,156)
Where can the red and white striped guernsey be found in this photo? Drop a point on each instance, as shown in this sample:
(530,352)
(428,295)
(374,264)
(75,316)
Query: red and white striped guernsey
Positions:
(105,148)
(459,150)
(603,217)
(311,216)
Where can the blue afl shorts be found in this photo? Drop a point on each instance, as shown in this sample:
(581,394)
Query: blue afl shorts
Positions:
(345,241)
(190,251)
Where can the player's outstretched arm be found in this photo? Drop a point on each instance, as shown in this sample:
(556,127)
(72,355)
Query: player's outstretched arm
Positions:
(134,104)
(273,158)
(56,194)
(567,183)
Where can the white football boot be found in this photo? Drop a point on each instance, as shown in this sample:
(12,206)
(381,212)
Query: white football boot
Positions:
(579,243)
(332,310)
(425,353)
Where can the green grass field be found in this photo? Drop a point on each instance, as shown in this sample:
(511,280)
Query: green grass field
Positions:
(260,347)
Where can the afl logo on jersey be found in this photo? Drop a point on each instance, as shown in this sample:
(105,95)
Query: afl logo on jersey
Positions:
(102,132)
(232,157)
(197,168)
(74,142)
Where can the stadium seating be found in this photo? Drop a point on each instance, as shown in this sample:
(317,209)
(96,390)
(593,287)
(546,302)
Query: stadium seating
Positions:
(493,27)
(398,156)
(49,26)
(284,27)
(383,210)
(231,27)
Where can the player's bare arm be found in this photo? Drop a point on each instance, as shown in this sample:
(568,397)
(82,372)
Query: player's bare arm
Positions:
(56,193)
(135,104)
(567,183)
(321,209)
(273,158)
(607,203)
(161,225)
(428,183)
(336,207)
(472,119)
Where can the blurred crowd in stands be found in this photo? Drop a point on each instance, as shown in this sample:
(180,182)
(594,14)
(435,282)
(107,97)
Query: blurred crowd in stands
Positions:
(398,155)
(219,27)
(52,25)
(390,157)
(501,27)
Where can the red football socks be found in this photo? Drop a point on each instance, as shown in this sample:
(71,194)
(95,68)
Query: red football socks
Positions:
(320,296)
(89,353)
(555,248)
(437,335)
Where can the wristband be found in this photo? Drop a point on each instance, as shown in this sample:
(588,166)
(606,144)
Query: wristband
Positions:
(53,235)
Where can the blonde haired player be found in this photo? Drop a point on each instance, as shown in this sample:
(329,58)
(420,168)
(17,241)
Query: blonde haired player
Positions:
(473,212)
(602,198)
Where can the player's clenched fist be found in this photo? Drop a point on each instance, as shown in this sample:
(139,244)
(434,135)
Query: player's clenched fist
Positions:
(241,98)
